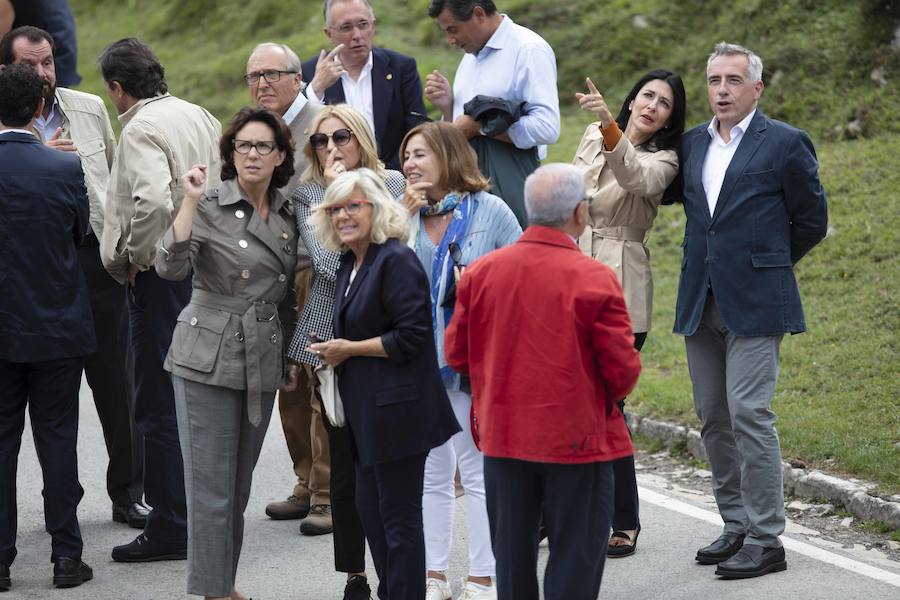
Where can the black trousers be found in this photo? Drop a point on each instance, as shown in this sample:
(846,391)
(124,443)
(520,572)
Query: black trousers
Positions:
(153,306)
(347,534)
(389,500)
(576,504)
(626,503)
(50,391)
(109,380)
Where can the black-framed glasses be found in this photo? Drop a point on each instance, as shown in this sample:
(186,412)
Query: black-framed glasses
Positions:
(245,146)
(347,27)
(341,137)
(271,76)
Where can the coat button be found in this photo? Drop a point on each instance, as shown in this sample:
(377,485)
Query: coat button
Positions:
(193,321)
(284,235)
(242,243)
(706,260)
(245,274)
(239,336)
(239,214)
(282,278)
(274,338)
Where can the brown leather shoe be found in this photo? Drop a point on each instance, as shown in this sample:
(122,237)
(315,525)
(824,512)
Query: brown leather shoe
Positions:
(291,508)
(318,521)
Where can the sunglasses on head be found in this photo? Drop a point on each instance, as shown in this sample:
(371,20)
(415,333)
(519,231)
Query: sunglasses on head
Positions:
(341,137)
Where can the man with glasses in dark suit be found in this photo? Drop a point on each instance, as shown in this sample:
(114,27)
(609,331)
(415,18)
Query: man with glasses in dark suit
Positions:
(381,84)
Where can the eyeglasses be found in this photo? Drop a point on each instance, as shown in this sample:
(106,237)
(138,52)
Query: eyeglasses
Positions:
(351,208)
(341,137)
(455,254)
(270,76)
(362,25)
(244,147)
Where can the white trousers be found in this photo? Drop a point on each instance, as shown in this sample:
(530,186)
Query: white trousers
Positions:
(440,493)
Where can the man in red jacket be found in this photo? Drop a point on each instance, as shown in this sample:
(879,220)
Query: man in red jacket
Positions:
(543,333)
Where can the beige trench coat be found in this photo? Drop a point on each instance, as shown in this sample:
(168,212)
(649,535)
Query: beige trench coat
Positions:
(162,138)
(86,122)
(229,334)
(625,186)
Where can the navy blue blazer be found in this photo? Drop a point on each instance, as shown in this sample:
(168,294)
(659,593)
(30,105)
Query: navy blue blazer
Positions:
(45,312)
(396,406)
(770,212)
(397,103)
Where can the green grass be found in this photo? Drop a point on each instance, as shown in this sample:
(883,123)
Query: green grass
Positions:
(828,64)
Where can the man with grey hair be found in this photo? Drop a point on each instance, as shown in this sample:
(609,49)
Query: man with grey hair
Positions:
(275,82)
(754,207)
(381,84)
(547,364)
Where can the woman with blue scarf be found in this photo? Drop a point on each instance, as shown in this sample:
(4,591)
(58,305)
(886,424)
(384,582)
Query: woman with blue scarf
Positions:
(454,221)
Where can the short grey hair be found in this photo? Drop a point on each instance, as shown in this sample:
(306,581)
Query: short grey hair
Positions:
(552,193)
(293,61)
(754,62)
(327,4)
(389,218)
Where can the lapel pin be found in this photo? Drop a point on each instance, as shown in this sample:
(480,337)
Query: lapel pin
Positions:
(389,76)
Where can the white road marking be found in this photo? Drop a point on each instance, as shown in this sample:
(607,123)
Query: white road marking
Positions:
(791,544)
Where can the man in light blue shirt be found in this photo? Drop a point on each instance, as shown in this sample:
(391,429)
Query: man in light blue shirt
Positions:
(503,60)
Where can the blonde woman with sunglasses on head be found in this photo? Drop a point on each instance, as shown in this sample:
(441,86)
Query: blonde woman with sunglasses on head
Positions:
(340,141)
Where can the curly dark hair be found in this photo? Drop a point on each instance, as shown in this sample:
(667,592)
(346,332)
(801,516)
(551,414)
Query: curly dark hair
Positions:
(21,90)
(284,141)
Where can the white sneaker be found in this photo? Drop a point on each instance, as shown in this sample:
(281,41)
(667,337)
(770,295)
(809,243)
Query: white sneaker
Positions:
(437,589)
(471,592)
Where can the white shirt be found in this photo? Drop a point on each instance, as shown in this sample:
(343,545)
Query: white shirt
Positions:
(48,126)
(13,130)
(515,64)
(357,93)
(295,108)
(719,156)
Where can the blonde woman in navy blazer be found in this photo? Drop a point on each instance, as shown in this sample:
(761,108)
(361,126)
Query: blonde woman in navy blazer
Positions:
(396,405)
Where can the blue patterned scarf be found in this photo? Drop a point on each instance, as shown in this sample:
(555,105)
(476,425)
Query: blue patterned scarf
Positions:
(463,207)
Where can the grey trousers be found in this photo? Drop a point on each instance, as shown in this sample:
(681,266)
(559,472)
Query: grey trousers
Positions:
(734,380)
(220,449)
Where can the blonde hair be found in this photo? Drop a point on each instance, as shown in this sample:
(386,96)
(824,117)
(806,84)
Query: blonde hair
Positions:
(389,220)
(355,122)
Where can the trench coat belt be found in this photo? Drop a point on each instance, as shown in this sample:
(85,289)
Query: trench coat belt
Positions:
(624,233)
(249,312)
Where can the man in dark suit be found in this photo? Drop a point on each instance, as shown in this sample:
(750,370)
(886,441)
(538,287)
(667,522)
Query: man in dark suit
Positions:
(46,327)
(754,208)
(77,122)
(381,84)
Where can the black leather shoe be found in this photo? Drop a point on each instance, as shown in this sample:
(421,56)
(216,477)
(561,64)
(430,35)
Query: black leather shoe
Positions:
(70,572)
(752,561)
(143,549)
(357,588)
(135,514)
(5,581)
(725,546)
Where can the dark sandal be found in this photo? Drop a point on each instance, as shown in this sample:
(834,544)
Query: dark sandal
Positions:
(622,550)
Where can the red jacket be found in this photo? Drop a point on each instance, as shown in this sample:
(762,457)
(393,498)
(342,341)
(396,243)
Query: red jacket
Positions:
(543,332)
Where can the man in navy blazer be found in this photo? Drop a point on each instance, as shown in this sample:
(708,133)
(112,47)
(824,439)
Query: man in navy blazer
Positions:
(754,207)
(46,328)
(381,84)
